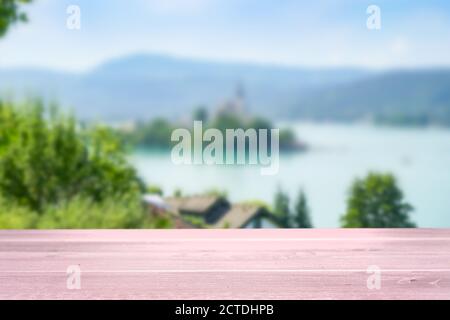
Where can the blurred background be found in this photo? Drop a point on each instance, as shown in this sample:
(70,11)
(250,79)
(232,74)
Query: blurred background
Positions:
(350,99)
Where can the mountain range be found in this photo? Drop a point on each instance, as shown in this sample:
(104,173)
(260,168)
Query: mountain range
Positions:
(144,86)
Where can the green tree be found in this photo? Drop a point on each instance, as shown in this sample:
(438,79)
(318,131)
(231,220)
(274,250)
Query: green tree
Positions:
(200,114)
(124,212)
(259,123)
(216,192)
(281,209)
(177,193)
(301,212)
(156,134)
(45,158)
(13,216)
(82,213)
(154,189)
(10,13)
(288,140)
(376,202)
(227,121)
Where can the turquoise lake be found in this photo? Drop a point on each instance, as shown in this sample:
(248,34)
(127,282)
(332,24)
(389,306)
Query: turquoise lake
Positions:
(419,158)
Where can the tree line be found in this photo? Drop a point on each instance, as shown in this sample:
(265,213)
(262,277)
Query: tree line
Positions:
(374,201)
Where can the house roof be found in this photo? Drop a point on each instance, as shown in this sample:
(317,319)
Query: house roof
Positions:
(235,216)
(195,204)
(238,216)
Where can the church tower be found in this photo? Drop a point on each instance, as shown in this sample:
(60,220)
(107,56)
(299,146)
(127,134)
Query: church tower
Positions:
(240,99)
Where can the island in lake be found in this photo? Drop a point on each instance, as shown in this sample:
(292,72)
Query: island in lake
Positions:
(232,114)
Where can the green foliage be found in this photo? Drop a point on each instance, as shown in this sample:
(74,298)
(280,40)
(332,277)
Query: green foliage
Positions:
(82,213)
(288,140)
(13,216)
(257,203)
(153,189)
(56,174)
(301,212)
(376,202)
(281,209)
(227,121)
(156,134)
(178,193)
(407,120)
(259,123)
(284,217)
(200,114)
(10,13)
(215,192)
(195,221)
(46,158)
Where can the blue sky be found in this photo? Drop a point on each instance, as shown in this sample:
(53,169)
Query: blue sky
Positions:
(320,33)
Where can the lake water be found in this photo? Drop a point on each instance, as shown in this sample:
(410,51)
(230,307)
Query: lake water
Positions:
(420,159)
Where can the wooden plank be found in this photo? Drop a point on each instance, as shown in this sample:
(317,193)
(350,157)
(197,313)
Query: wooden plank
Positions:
(226,264)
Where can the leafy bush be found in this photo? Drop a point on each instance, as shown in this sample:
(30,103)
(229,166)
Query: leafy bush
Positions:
(46,158)
(154,189)
(81,213)
(13,216)
(10,13)
(156,134)
(216,192)
(377,202)
(56,174)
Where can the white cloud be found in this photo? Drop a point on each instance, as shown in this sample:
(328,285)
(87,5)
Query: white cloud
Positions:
(400,46)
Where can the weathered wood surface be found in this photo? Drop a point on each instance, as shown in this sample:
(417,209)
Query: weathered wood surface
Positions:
(225,264)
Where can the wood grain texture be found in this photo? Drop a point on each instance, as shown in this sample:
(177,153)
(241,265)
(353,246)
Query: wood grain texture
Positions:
(226,264)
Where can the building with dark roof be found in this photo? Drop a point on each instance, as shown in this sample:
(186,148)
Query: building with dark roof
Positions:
(213,212)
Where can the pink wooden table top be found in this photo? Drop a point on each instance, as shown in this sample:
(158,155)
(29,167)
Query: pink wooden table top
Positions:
(226,264)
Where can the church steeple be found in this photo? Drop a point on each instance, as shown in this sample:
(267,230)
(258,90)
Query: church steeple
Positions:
(240,98)
(236,104)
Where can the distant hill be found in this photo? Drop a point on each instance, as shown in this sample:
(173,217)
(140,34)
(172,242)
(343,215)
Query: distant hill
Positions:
(399,97)
(147,86)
